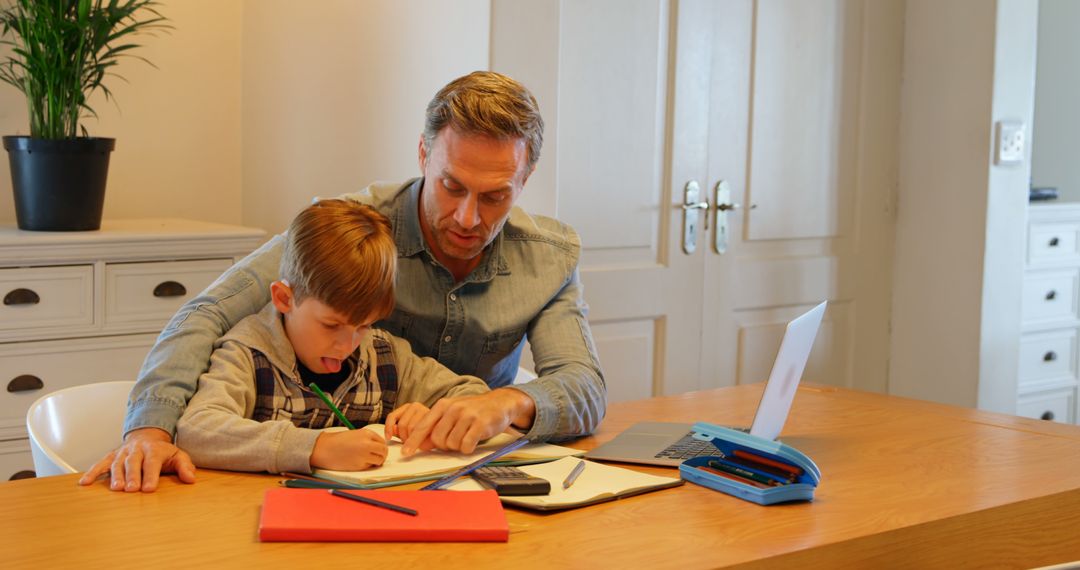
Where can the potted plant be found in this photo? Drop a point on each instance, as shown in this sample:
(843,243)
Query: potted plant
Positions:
(62,51)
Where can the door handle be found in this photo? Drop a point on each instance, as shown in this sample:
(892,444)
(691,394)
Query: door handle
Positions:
(692,208)
(722,199)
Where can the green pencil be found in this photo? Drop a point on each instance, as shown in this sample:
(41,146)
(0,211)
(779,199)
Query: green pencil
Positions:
(322,395)
(305,484)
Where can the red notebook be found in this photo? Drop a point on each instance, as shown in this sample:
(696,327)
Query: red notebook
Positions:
(314,515)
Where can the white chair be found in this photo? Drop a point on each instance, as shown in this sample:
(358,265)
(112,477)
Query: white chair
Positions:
(71,429)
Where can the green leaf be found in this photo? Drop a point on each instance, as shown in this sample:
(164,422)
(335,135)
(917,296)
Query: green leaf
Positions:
(62,51)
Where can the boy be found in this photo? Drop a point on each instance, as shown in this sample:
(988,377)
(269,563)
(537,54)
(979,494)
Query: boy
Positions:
(253,409)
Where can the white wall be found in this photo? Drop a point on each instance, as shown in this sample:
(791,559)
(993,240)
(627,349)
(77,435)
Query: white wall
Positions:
(1006,212)
(961,224)
(538,44)
(334,94)
(1056,137)
(257,105)
(177,127)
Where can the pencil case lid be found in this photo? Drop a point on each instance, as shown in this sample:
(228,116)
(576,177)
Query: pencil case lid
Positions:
(724,439)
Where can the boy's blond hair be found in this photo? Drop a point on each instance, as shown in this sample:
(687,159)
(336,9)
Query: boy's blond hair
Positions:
(342,253)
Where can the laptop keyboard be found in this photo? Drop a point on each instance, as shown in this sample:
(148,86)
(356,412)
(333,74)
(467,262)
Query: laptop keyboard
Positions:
(687,448)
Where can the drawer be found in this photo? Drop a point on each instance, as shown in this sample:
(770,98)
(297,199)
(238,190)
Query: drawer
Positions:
(60,364)
(1054,405)
(15,460)
(1053,242)
(1048,356)
(39,297)
(1050,296)
(151,292)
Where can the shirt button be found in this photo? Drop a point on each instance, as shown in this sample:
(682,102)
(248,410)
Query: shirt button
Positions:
(453,297)
(447,338)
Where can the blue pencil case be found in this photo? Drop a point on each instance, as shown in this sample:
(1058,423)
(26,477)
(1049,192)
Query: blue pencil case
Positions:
(752,468)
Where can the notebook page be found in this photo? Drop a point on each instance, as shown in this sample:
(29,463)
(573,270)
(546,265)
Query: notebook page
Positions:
(434,462)
(597,482)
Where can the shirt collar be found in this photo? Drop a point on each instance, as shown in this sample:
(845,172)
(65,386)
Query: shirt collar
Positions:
(407,233)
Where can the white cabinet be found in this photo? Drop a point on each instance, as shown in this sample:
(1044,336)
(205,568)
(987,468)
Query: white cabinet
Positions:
(82,307)
(1047,375)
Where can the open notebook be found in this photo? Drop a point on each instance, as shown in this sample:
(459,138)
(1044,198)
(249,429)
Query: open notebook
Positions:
(427,465)
(596,484)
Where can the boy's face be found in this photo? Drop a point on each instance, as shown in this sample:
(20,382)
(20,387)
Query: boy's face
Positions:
(321,337)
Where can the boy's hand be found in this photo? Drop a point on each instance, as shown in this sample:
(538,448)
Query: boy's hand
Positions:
(348,450)
(400,422)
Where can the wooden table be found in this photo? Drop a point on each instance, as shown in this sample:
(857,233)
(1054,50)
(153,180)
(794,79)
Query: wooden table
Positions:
(905,483)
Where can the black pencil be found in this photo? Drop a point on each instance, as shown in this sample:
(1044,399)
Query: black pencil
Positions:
(373,502)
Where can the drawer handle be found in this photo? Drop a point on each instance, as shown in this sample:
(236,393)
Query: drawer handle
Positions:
(170,289)
(1050,295)
(1050,356)
(1047,415)
(25,383)
(1054,242)
(24,474)
(21,297)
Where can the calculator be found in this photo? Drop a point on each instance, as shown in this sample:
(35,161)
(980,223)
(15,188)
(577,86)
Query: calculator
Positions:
(510,481)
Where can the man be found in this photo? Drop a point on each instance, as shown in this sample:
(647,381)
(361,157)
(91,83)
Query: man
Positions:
(476,276)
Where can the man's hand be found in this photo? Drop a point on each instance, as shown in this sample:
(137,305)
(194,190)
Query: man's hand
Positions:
(401,421)
(139,462)
(458,424)
(348,450)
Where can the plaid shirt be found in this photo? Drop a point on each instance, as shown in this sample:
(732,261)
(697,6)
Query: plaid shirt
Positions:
(281,395)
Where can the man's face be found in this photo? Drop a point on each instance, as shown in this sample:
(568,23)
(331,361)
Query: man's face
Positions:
(321,337)
(470,184)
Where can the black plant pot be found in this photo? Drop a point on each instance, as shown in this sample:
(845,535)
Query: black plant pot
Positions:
(59,184)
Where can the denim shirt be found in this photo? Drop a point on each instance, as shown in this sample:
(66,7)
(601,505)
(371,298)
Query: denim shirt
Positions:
(526,285)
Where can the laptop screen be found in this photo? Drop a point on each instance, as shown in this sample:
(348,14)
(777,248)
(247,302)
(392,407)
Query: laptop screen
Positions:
(787,369)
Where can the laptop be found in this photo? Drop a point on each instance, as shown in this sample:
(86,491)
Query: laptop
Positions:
(669,444)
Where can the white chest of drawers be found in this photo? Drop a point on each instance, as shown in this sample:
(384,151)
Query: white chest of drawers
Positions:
(85,307)
(1047,380)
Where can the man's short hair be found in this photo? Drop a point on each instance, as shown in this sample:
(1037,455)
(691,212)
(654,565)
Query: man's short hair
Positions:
(490,104)
(342,253)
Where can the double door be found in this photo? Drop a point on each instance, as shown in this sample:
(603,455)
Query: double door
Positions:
(728,164)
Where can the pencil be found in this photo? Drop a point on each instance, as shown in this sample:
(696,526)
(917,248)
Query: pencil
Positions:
(307,484)
(322,396)
(743,480)
(574,474)
(791,469)
(440,483)
(744,473)
(373,502)
(328,483)
(292,475)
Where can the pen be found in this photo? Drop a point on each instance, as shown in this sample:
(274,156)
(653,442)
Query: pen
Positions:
(309,484)
(720,473)
(322,396)
(752,464)
(574,474)
(439,483)
(292,475)
(791,469)
(744,473)
(373,502)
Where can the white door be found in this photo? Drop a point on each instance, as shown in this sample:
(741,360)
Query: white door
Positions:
(791,104)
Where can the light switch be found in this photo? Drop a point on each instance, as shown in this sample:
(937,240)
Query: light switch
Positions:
(1009,147)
